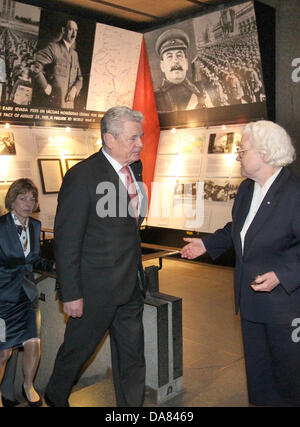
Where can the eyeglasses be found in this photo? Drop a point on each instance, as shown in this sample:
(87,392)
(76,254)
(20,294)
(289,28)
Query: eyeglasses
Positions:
(240,152)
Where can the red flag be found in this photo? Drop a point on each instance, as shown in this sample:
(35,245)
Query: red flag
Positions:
(144,101)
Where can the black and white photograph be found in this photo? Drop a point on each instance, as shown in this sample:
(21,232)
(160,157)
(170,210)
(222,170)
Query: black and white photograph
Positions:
(221,143)
(185,190)
(221,190)
(62,61)
(19,27)
(206,63)
(7,144)
(51,173)
(45,62)
(228,63)
(170,52)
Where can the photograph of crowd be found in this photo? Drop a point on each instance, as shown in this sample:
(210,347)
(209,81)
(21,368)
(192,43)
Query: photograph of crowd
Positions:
(43,62)
(206,62)
(220,190)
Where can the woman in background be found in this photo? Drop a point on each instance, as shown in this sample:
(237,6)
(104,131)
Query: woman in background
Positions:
(19,255)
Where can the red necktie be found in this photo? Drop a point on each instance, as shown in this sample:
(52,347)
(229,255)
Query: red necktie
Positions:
(131,188)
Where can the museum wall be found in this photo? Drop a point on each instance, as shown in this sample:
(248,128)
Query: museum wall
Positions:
(44,154)
(107,59)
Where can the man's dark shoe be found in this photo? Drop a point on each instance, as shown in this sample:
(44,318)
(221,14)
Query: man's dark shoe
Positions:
(9,403)
(52,404)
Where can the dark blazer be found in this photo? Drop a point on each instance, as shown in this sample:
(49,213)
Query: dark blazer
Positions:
(272,243)
(16,270)
(96,257)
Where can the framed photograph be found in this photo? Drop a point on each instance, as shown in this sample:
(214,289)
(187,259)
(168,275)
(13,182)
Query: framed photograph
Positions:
(7,143)
(51,175)
(72,162)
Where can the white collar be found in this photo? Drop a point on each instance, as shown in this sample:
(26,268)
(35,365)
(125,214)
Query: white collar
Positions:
(17,221)
(68,45)
(264,189)
(115,164)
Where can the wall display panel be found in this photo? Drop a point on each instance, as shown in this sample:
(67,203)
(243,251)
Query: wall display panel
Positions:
(14,168)
(72,162)
(51,173)
(116,66)
(176,203)
(55,141)
(24,164)
(201,197)
(94,141)
(7,143)
(43,82)
(3,191)
(207,70)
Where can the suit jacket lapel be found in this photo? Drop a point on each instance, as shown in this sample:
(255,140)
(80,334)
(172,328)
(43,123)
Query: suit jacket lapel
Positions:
(32,239)
(111,175)
(11,240)
(266,208)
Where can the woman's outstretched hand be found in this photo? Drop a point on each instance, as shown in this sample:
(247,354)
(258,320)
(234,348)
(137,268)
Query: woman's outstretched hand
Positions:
(193,249)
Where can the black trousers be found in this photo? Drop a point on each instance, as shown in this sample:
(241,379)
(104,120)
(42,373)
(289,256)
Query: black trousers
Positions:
(272,357)
(83,335)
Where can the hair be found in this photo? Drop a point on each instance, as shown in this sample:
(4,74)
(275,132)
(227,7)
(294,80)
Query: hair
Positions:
(113,119)
(21,186)
(270,139)
(66,22)
(184,50)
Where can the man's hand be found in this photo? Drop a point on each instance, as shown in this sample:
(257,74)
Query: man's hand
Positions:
(265,282)
(71,95)
(73,308)
(194,248)
(48,89)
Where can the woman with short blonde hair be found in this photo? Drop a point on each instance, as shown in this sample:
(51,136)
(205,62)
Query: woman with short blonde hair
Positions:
(19,255)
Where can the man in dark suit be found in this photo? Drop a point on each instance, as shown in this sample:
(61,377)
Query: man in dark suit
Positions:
(265,233)
(56,70)
(98,261)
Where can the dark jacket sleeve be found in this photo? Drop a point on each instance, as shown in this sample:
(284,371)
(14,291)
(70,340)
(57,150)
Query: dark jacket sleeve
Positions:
(69,230)
(218,242)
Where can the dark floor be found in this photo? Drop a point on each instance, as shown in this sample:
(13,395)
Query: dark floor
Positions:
(213,363)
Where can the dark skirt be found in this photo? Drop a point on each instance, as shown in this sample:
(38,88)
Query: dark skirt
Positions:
(18,322)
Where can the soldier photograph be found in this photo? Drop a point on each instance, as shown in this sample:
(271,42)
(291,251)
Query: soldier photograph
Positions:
(206,62)
(176,92)
(62,61)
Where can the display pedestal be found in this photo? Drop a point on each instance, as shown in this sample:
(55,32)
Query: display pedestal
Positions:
(163,343)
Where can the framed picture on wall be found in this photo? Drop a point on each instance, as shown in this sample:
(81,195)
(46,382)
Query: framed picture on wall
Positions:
(72,162)
(51,175)
(7,143)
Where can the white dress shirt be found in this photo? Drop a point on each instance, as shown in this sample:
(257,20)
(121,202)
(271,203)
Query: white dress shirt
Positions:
(24,235)
(117,167)
(257,198)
